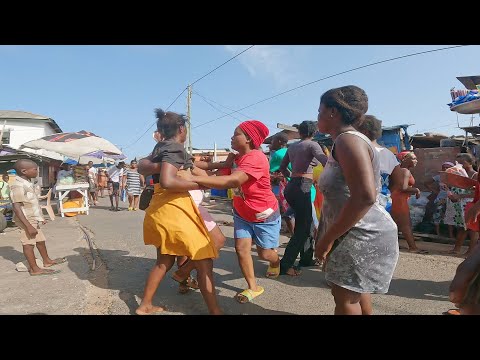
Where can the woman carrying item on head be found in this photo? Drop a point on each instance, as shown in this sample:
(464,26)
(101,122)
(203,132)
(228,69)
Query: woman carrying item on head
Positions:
(256,213)
(361,232)
(457,201)
(440,191)
(304,156)
(172,221)
(402,189)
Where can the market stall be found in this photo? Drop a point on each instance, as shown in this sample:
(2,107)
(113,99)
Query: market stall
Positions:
(82,203)
(72,190)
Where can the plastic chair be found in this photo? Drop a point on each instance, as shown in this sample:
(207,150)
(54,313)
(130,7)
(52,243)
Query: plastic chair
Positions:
(48,206)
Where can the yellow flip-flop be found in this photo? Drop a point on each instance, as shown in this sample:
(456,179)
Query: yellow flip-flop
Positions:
(273,272)
(249,294)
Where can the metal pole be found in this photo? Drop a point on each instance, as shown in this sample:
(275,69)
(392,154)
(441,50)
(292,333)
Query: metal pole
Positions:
(189,99)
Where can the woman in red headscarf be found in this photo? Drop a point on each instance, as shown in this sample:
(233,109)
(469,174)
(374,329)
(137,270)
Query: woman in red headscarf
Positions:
(256,212)
(402,190)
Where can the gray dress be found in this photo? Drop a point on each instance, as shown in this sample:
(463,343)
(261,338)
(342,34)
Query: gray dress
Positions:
(363,259)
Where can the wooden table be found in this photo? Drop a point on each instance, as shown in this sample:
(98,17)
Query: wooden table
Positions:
(64,190)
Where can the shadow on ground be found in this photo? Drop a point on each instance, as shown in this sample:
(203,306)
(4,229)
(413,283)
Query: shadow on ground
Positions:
(127,274)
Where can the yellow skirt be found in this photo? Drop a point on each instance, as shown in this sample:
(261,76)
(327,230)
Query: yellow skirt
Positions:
(174,225)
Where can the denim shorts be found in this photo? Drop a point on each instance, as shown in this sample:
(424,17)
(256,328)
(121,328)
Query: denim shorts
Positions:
(265,234)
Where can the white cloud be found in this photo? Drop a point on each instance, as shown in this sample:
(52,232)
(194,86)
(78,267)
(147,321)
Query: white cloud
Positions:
(271,61)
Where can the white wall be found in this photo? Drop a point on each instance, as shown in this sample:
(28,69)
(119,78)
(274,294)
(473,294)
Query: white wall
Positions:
(22,131)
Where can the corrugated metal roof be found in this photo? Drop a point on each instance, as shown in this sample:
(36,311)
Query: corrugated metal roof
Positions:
(395,127)
(469,82)
(13,114)
(19,115)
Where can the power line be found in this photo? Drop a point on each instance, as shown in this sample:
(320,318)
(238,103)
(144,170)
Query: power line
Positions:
(330,76)
(173,102)
(216,108)
(221,111)
(219,66)
(438,127)
(205,98)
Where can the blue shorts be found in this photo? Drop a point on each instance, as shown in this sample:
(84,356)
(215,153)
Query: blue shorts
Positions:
(265,234)
(290,213)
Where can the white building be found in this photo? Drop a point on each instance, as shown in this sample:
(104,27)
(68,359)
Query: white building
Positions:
(18,127)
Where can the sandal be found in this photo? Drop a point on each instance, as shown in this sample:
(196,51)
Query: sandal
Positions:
(248,295)
(451,312)
(273,272)
(183,289)
(188,282)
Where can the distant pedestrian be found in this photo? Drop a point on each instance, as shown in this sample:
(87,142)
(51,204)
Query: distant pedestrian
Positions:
(134,183)
(115,177)
(402,188)
(440,192)
(5,187)
(92,182)
(102,182)
(457,204)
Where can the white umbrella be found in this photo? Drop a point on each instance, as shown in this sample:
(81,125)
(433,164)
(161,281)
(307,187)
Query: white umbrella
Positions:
(76,145)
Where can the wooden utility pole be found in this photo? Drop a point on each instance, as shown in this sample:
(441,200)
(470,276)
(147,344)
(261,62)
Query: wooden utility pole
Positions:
(189,100)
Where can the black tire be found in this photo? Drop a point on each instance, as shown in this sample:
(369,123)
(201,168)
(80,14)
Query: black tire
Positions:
(3,222)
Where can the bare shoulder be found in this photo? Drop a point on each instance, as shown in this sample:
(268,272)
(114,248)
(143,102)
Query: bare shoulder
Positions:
(350,143)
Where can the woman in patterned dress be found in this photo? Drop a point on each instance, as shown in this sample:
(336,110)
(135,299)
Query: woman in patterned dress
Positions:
(134,183)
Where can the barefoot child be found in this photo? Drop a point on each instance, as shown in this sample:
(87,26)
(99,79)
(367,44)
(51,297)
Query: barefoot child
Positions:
(28,216)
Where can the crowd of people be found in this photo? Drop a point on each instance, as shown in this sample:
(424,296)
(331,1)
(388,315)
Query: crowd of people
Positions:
(356,240)
(343,207)
(116,179)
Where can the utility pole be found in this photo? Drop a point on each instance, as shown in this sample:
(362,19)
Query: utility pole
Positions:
(189,100)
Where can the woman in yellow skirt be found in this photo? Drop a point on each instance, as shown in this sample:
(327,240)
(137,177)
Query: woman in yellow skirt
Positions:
(172,221)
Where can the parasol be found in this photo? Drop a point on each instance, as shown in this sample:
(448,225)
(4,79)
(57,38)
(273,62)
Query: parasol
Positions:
(76,145)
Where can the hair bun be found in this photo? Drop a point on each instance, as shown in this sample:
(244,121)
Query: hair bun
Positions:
(159,113)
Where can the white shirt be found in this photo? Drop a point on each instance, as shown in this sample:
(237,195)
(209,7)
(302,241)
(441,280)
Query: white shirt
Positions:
(115,173)
(388,160)
(92,174)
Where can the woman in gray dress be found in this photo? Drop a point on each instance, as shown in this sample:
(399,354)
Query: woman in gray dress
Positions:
(365,252)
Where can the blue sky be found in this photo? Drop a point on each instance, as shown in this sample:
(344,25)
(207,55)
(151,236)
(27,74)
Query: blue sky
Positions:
(112,90)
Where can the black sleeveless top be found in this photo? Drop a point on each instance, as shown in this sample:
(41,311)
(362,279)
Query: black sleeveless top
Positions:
(173,153)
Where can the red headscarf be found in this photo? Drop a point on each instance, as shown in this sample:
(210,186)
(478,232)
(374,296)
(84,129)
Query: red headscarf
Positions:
(255,130)
(401,156)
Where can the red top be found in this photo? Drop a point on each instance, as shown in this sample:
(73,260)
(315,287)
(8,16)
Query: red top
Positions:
(225,171)
(475,225)
(255,196)
(476,197)
(400,200)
